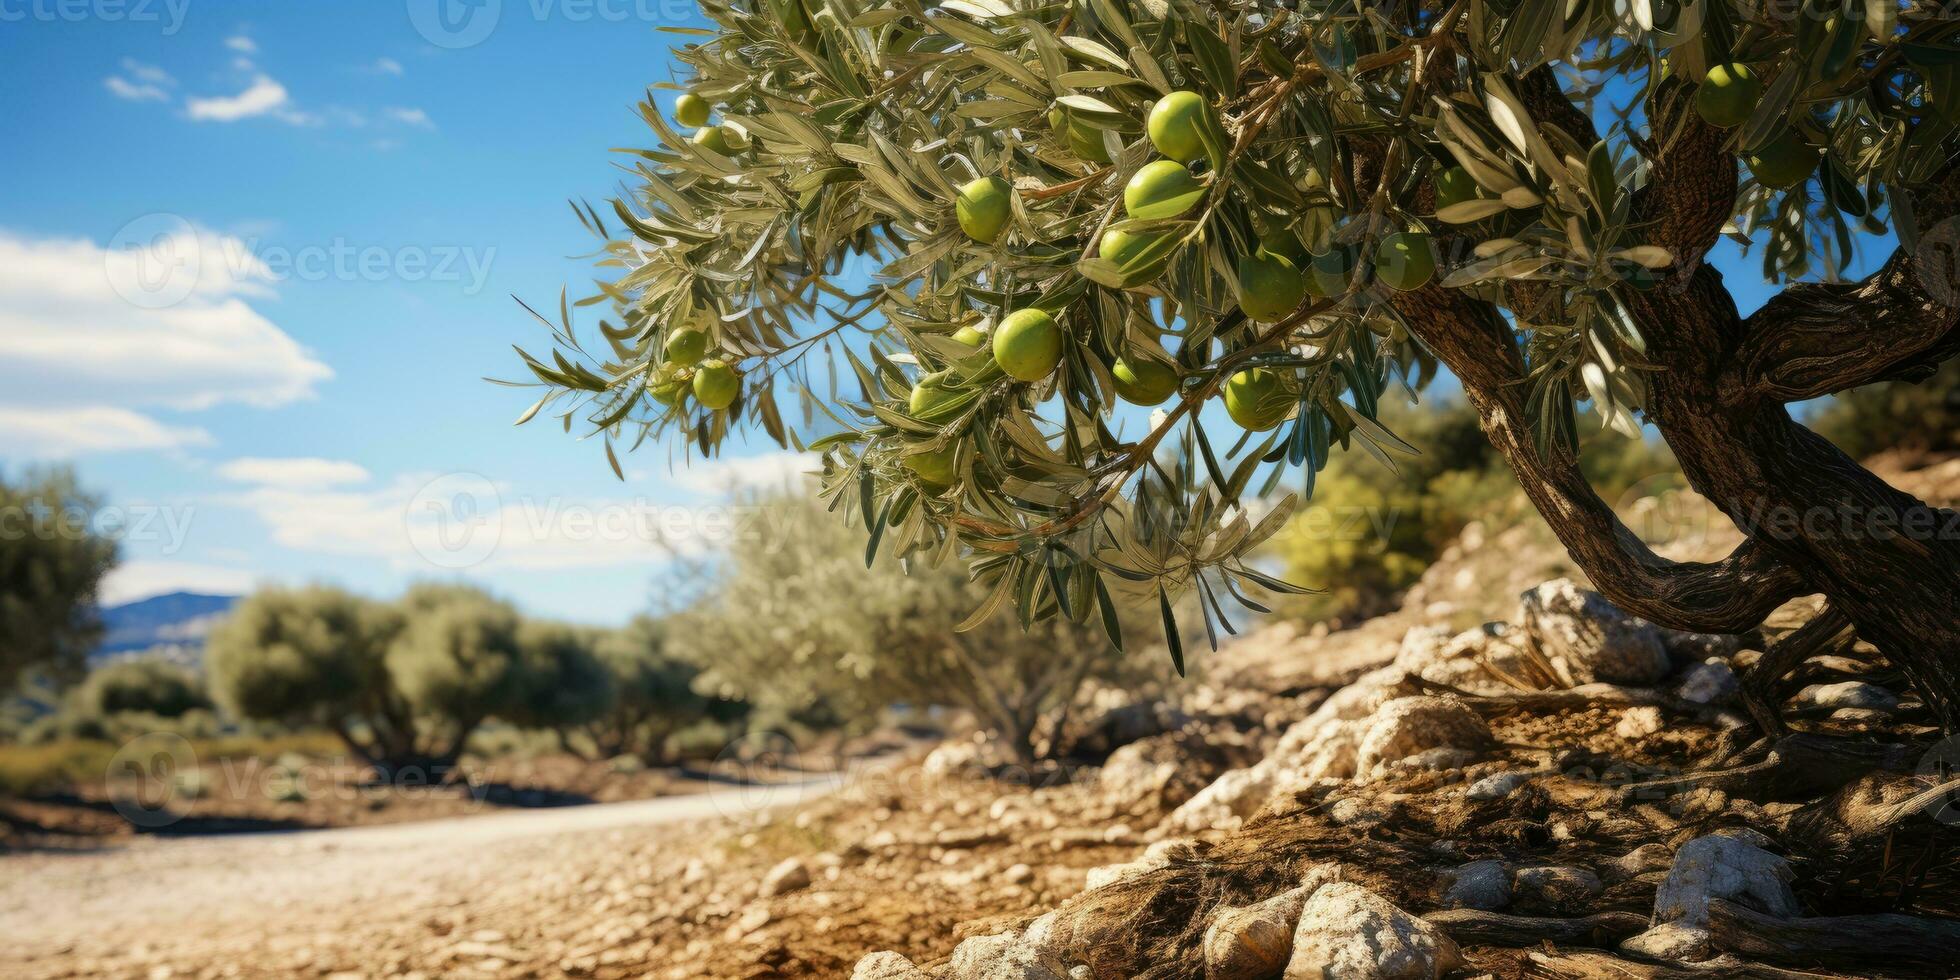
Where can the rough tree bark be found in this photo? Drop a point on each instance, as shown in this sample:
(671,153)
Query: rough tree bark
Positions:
(1814,520)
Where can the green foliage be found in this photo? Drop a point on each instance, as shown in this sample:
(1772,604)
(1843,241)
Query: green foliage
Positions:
(798,626)
(407,683)
(50,564)
(849,128)
(562,681)
(653,695)
(404,685)
(310,655)
(1920,417)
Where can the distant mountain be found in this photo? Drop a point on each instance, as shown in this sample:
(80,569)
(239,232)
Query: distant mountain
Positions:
(172,626)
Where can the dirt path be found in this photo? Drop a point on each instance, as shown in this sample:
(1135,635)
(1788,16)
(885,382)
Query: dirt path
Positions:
(298,900)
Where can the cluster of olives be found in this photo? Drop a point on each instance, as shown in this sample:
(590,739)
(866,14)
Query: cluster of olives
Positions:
(686,368)
(1727,97)
(691,110)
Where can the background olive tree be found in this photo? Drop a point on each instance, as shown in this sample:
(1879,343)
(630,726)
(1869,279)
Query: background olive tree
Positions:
(1299,211)
(653,695)
(798,626)
(50,566)
(403,684)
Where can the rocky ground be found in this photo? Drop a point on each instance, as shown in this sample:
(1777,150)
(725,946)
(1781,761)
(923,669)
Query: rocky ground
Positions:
(1562,790)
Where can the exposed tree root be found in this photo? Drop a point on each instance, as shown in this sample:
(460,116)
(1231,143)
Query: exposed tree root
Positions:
(1601,966)
(1854,942)
(1602,929)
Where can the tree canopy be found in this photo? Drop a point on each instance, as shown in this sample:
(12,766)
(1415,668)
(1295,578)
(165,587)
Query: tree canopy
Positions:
(50,565)
(1006,217)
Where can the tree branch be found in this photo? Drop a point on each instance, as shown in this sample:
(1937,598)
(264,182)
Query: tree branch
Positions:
(1816,339)
(1729,596)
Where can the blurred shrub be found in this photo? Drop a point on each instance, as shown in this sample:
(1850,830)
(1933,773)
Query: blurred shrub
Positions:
(794,624)
(146,685)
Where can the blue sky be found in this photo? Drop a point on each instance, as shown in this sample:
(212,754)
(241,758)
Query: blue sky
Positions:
(339,202)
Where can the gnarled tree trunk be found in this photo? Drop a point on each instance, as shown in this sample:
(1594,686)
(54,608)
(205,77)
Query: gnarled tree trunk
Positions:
(1814,520)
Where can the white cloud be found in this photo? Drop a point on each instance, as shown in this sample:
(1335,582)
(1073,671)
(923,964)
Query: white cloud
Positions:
(241,44)
(84,325)
(262,97)
(409,116)
(428,523)
(147,74)
(296,472)
(141,579)
(730,475)
(135,91)
(386,66)
(60,433)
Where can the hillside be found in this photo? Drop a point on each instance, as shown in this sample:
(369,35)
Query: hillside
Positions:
(172,626)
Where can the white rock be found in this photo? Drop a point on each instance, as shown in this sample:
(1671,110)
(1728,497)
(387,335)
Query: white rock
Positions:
(1161,772)
(1645,858)
(1109,874)
(1723,866)
(1497,785)
(1670,941)
(1407,726)
(1474,660)
(1002,956)
(1588,639)
(1253,942)
(1350,933)
(1639,722)
(1477,885)
(964,757)
(1019,874)
(785,877)
(1352,812)
(1848,694)
(887,966)
(1711,682)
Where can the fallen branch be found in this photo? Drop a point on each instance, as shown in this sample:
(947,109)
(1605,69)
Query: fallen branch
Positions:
(1856,942)
(1600,966)
(1800,766)
(1476,927)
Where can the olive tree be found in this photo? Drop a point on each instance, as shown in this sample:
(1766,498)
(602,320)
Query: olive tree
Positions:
(1004,217)
(51,561)
(402,684)
(798,626)
(652,689)
(563,684)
